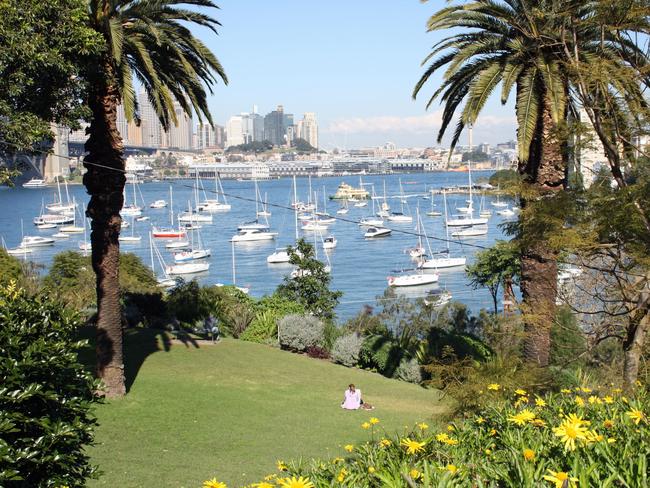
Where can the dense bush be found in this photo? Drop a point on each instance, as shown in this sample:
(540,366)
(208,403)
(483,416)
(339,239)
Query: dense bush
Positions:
(10,268)
(575,438)
(268,310)
(346,349)
(381,353)
(317,352)
(409,370)
(298,332)
(188,302)
(45,395)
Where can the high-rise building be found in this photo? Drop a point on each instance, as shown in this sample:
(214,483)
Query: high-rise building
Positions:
(235,131)
(208,136)
(150,127)
(591,153)
(179,135)
(122,124)
(309,129)
(276,124)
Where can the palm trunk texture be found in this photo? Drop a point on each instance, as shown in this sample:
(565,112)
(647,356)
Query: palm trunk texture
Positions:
(104,181)
(545,172)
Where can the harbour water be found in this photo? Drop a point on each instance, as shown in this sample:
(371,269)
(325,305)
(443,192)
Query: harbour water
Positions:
(359,266)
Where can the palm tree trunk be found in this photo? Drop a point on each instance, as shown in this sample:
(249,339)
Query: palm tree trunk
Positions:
(546,172)
(105,182)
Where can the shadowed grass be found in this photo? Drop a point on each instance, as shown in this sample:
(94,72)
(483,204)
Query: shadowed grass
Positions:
(232,409)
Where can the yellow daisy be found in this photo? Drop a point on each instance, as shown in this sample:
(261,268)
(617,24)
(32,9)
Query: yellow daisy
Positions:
(213,483)
(494,386)
(281,466)
(561,479)
(412,446)
(529,454)
(385,442)
(423,426)
(522,417)
(349,447)
(570,430)
(520,392)
(636,415)
(540,402)
(374,420)
(371,469)
(294,482)
(365,425)
(415,474)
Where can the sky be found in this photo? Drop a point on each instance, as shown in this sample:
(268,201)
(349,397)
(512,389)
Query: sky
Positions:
(352,62)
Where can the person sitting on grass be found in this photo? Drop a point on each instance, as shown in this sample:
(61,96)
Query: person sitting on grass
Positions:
(352,399)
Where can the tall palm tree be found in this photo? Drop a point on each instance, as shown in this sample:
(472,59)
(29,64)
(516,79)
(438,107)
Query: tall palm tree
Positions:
(148,42)
(511,43)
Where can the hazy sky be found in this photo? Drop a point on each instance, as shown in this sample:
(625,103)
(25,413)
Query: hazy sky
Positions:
(352,62)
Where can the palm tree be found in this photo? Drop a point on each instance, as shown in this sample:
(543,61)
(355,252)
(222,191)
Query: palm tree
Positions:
(511,43)
(148,42)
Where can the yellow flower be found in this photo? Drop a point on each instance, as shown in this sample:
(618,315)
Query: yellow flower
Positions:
(442,437)
(342,474)
(269,476)
(561,479)
(493,432)
(451,442)
(385,442)
(488,451)
(415,474)
(374,420)
(450,428)
(371,469)
(611,440)
(608,399)
(593,436)
(520,392)
(564,390)
(608,424)
(294,482)
(529,454)
(570,430)
(579,401)
(586,390)
(281,466)
(540,402)
(451,468)
(636,415)
(337,460)
(412,446)
(349,447)
(594,399)
(538,423)
(617,390)
(480,420)
(365,425)
(213,483)
(522,417)
(423,426)
(494,386)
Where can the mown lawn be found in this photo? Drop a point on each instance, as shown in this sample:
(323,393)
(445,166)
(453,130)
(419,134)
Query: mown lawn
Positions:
(232,409)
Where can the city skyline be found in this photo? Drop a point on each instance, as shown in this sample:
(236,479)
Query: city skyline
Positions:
(355,67)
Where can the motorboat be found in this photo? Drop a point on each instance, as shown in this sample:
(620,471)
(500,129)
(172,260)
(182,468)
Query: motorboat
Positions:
(158,204)
(466,221)
(56,219)
(437,298)
(131,210)
(143,218)
(46,226)
(314,225)
(471,231)
(361,204)
(252,225)
(177,244)
(434,213)
(187,268)
(506,212)
(374,232)
(71,229)
(194,217)
(61,235)
(249,235)
(191,255)
(35,183)
(36,241)
(17,251)
(281,255)
(329,242)
(413,279)
(399,217)
(211,205)
(371,222)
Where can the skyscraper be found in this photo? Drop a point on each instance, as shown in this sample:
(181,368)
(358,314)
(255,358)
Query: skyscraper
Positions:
(179,136)
(276,124)
(209,136)
(151,129)
(235,131)
(309,129)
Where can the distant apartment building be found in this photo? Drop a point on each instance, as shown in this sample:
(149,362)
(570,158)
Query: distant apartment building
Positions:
(591,153)
(276,126)
(307,129)
(179,135)
(209,136)
(235,131)
(150,127)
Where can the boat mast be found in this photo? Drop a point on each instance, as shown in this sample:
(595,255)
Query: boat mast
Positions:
(444,197)
(232,252)
(295,207)
(171,207)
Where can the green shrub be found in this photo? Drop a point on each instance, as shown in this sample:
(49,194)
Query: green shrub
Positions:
(567,340)
(298,332)
(381,353)
(263,327)
(187,302)
(10,268)
(346,349)
(409,370)
(45,395)
(331,332)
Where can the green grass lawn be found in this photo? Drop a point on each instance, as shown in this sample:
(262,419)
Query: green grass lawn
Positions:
(232,409)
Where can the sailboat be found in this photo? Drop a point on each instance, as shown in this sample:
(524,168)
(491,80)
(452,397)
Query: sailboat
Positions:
(132,238)
(385,208)
(171,231)
(265,207)
(196,251)
(16,251)
(85,245)
(499,203)
(441,259)
(58,206)
(418,250)
(74,228)
(131,209)
(412,277)
(214,204)
(483,211)
(433,212)
(190,216)
(243,289)
(400,217)
(281,255)
(372,220)
(255,224)
(467,219)
(471,231)
(165,281)
(344,209)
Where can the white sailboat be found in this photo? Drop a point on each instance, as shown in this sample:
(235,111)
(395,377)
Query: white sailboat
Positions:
(196,251)
(329,242)
(400,217)
(158,204)
(131,209)
(251,235)
(417,250)
(385,208)
(281,255)
(417,278)
(243,289)
(74,228)
(471,231)
(58,206)
(214,204)
(132,239)
(84,245)
(441,259)
(506,212)
(171,231)
(433,212)
(165,281)
(499,203)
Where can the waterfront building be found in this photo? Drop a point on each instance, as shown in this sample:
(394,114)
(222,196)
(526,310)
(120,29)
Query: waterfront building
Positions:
(246,170)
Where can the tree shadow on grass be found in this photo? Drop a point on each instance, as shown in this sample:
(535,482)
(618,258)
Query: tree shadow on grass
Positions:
(139,344)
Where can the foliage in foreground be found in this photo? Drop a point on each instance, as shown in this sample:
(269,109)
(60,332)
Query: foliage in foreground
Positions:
(45,394)
(574,438)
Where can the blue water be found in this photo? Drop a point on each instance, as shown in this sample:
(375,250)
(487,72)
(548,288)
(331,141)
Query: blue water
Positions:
(359,266)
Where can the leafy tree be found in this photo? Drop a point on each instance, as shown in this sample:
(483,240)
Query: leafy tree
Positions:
(251,147)
(45,46)
(151,41)
(10,268)
(310,284)
(505,179)
(46,397)
(475,155)
(303,146)
(495,267)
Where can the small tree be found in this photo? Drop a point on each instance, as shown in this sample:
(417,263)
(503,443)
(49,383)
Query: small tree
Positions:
(493,268)
(45,394)
(309,285)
